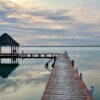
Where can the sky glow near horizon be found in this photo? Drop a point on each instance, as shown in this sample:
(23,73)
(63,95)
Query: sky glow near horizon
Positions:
(51,22)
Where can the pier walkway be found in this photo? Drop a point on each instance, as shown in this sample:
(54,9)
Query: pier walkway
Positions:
(65,83)
(28,55)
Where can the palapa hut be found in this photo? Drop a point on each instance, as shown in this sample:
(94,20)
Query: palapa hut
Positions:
(6,40)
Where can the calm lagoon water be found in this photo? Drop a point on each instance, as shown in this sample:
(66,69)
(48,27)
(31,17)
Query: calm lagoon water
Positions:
(27,81)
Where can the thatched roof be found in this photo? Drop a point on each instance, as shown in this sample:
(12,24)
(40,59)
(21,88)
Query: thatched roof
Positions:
(6,40)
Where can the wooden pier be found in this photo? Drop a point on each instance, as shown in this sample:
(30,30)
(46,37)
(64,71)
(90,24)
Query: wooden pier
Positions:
(65,83)
(28,55)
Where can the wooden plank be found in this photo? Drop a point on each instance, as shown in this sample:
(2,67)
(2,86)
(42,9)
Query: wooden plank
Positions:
(64,83)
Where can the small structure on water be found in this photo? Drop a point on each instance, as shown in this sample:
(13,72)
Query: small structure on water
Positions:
(5,41)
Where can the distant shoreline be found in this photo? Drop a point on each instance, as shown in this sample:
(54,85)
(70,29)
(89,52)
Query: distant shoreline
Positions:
(56,46)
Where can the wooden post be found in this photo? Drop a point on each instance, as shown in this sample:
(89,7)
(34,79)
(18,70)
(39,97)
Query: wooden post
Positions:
(65,53)
(31,55)
(39,55)
(17,49)
(17,54)
(72,63)
(92,90)
(11,53)
(11,60)
(12,49)
(45,55)
(54,59)
(81,76)
(0,49)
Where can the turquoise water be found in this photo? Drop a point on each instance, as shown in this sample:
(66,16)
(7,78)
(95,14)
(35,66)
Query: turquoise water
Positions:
(27,81)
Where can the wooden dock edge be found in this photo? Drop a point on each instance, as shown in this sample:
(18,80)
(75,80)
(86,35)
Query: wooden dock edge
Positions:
(84,88)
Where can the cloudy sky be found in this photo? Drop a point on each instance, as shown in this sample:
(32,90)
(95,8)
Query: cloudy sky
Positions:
(51,22)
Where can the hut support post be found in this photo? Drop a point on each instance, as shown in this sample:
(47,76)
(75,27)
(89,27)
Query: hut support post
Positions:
(14,49)
(0,53)
(11,49)
(0,49)
(17,49)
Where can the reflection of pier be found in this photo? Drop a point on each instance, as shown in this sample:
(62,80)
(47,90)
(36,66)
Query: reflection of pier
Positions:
(6,69)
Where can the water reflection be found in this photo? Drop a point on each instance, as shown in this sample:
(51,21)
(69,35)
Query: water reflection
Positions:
(24,82)
(28,81)
(6,69)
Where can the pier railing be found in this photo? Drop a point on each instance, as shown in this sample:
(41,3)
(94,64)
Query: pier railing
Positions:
(28,55)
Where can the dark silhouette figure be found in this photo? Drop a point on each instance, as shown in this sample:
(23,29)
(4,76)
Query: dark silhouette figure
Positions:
(54,58)
(46,65)
(53,65)
(54,62)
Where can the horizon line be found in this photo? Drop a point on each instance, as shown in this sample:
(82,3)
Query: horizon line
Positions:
(59,46)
